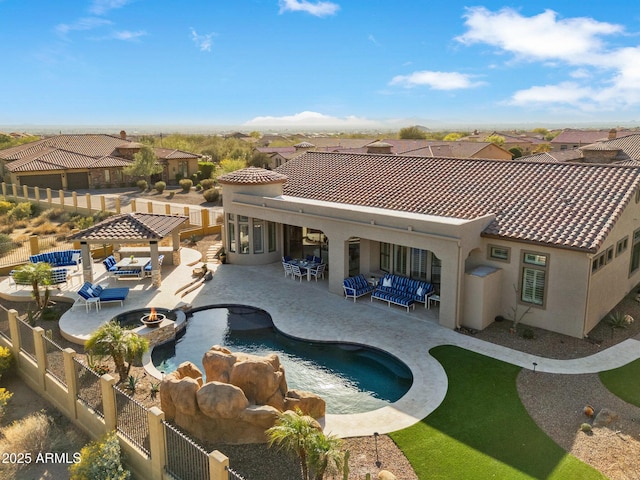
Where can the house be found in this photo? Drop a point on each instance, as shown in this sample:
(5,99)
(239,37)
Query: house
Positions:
(87,161)
(617,150)
(560,241)
(573,138)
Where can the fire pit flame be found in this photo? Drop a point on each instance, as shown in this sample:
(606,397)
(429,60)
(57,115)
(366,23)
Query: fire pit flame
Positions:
(153,318)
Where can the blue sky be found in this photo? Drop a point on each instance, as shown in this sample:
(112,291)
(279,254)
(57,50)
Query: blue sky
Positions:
(326,64)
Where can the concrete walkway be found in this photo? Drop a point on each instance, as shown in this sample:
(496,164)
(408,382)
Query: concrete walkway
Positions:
(308,311)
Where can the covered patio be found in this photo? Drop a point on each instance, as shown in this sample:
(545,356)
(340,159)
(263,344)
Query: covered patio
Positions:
(130,229)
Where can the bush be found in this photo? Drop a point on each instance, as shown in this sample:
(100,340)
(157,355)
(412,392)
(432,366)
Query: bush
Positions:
(179,177)
(207,183)
(142,185)
(6,358)
(528,334)
(5,206)
(206,169)
(5,396)
(21,211)
(30,435)
(198,187)
(585,427)
(211,195)
(100,460)
(160,186)
(186,184)
(6,244)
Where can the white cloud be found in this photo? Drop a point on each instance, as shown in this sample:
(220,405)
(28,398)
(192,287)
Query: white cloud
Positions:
(311,119)
(436,80)
(540,37)
(373,40)
(127,35)
(566,92)
(203,42)
(100,7)
(87,23)
(319,9)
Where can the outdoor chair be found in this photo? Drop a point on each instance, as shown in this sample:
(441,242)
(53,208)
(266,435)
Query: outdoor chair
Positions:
(296,272)
(147,267)
(110,264)
(287,269)
(318,271)
(95,294)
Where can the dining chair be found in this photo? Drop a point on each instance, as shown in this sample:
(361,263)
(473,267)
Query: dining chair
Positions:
(318,271)
(287,269)
(296,272)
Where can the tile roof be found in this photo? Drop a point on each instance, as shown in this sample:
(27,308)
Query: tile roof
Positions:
(584,137)
(166,153)
(131,226)
(557,204)
(253,176)
(54,159)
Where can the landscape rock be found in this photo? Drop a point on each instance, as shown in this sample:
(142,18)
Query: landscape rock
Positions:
(605,417)
(386,475)
(242,397)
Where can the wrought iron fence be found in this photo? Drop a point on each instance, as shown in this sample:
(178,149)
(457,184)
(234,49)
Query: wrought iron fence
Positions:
(233,474)
(12,253)
(4,323)
(55,360)
(132,420)
(186,460)
(26,338)
(89,390)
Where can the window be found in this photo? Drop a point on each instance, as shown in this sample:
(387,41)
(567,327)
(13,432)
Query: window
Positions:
(502,254)
(418,264)
(400,260)
(243,229)
(635,252)
(232,232)
(534,276)
(271,227)
(622,245)
(107,175)
(258,241)
(385,257)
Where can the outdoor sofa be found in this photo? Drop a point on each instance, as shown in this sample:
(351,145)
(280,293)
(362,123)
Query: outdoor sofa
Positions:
(355,287)
(63,258)
(58,275)
(402,291)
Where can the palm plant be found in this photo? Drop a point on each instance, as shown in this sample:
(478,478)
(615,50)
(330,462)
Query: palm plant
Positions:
(325,455)
(123,346)
(37,274)
(294,432)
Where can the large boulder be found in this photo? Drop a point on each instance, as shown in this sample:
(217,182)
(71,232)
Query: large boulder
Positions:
(605,417)
(243,396)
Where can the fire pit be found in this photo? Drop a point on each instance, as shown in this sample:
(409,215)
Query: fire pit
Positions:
(153,319)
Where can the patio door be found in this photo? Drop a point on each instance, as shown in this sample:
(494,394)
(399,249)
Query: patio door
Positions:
(354,256)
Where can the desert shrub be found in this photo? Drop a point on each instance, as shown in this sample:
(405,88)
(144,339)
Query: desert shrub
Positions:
(207,183)
(21,211)
(198,187)
(142,185)
(100,460)
(29,436)
(186,184)
(46,228)
(84,222)
(5,396)
(5,206)
(528,334)
(206,169)
(6,359)
(160,186)
(6,244)
(211,195)
(179,177)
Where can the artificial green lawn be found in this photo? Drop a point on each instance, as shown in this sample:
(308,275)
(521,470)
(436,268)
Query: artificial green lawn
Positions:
(482,430)
(623,382)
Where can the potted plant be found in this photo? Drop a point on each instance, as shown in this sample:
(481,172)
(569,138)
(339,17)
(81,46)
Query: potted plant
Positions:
(222,256)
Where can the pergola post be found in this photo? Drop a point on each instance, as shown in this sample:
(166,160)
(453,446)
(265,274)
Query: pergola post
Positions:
(87,262)
(175,242)
(156,276)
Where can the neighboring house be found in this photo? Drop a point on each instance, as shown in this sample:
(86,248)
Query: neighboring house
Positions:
(560,238)
(571,138)
(619,151)
(86,161)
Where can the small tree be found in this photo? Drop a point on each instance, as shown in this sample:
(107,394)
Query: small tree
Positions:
(36,274)
(145,163)
(325,455)
(495,139)
(123,346)
(412,133)
(293,432)
(100,460)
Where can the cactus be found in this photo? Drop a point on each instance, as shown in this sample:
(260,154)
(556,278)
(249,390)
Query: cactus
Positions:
(345,465)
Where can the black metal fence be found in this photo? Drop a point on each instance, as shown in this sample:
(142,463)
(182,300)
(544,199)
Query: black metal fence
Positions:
(55,360)
(132,420)
(234,475)
(26,339)
(186,460)
(4,323)
(89,390)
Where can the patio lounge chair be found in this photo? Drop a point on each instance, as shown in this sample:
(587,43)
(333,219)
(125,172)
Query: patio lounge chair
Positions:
(89,294)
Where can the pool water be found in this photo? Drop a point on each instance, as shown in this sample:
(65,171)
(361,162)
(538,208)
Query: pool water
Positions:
(350,378)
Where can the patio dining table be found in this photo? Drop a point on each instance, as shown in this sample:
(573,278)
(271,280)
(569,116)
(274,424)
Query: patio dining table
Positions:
(135,263)
(305,266)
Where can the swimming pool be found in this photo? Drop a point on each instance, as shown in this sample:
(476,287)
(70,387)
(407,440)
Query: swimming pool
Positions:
(350,378)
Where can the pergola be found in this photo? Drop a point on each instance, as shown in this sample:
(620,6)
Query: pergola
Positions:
(128,228)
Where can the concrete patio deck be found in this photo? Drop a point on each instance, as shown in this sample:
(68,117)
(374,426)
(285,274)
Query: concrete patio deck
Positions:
(308,311)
